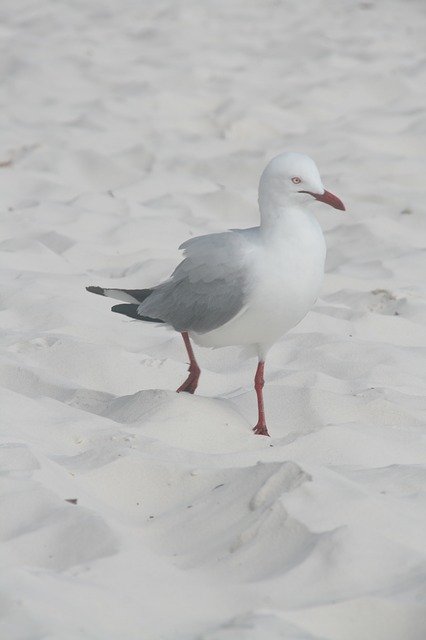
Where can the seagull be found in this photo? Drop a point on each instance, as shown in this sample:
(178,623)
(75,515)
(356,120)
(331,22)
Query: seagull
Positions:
(244,287)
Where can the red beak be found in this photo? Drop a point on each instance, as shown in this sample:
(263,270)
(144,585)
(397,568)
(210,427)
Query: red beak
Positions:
(328,198)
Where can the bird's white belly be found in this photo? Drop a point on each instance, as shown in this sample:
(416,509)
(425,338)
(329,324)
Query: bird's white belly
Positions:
(285,285)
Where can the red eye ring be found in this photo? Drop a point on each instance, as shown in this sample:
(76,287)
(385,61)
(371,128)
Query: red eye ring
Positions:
(296,180)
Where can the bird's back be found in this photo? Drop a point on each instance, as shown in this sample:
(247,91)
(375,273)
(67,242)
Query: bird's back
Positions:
(208,288)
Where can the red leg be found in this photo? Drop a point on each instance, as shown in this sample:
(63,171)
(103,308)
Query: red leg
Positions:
(261,428)
(191,382)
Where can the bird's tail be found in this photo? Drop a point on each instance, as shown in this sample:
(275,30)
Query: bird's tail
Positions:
(125,295)
(132,296)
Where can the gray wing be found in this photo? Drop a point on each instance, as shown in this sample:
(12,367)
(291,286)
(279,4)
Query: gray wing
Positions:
(208,288)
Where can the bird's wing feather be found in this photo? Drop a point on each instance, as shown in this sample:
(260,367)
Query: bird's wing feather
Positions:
(208,288)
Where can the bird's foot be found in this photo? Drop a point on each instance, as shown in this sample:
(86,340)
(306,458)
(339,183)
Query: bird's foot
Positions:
(191,383)
(187,387)
(261,430)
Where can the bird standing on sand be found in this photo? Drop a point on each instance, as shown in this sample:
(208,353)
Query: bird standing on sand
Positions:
(245,286)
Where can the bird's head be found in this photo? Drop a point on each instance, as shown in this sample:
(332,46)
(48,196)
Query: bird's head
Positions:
(293,179)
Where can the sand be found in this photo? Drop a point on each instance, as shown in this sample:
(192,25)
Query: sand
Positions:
(129,512)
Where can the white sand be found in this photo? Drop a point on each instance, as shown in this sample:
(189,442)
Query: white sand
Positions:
(126,128)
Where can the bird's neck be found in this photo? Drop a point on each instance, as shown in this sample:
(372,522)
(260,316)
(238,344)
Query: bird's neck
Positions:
(288,219)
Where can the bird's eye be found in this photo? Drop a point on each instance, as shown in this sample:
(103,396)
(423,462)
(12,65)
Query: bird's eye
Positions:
(296,180)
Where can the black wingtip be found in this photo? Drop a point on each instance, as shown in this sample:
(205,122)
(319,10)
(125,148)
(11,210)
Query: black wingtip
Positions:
(98,290)
(131,310)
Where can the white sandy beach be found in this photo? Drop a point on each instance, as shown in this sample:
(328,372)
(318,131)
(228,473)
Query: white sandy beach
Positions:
(126,128)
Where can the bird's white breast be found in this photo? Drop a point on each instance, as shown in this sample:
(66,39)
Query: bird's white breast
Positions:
(284,280)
